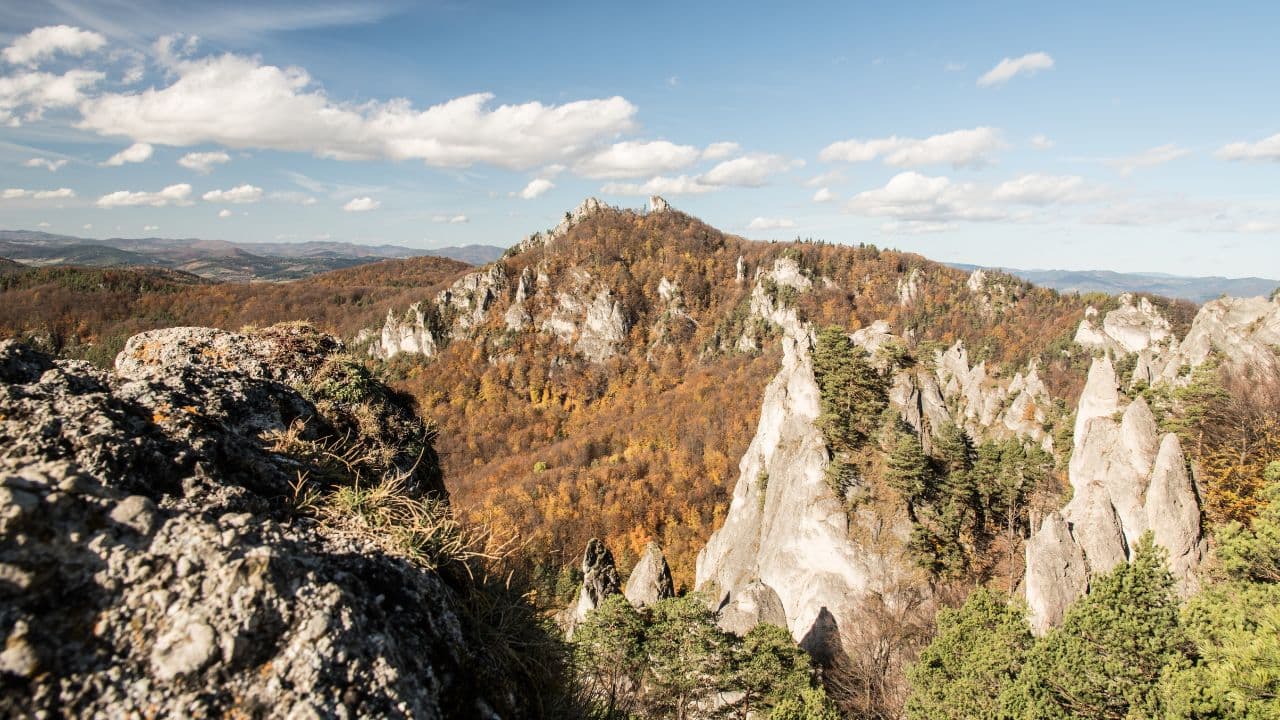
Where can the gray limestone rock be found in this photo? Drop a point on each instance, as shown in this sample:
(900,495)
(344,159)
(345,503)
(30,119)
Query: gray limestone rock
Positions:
(650,579)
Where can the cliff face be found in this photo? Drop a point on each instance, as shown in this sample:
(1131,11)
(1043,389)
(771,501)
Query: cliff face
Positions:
(151,562)
(786,534)
(1126,479)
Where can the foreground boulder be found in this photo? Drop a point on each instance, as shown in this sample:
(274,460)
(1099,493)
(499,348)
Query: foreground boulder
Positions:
(153,561)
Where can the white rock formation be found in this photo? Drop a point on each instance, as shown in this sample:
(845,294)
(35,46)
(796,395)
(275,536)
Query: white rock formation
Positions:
(408,333)
(658,205)
(1129,328)
(1245,330)
(909,287)
(1126,480)
(786,534)
(650,580)
(603,328)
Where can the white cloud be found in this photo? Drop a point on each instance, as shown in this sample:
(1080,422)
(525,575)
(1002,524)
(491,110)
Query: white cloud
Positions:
(1265,149)
(361,204)
(237,102)
(764,223)
(21,194)
(959,148)
(46,163)
(135,153)
(43,224)
(450,219)
(25,96)
(172,195)
(203,162)
(1148,158)
(1040,142)
(88,226)
(1008,68)
(239,195)
(150,228)
(680,185)
(536,187)
(1042,190)
(224,213)
(823,195)
(749,170)
(827,178)
(44,42)
(636,158)
(910,196)
(720,150)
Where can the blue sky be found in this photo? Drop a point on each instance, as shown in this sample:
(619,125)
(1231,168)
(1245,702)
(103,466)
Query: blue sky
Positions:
(1134,136)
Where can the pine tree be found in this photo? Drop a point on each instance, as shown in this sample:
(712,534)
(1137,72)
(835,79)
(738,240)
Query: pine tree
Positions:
(687,654)
(1106,658)
(609,654)
(769,669)
(908,470)
(852,392)
(976,653)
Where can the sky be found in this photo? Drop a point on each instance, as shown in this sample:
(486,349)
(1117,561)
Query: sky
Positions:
(1122,136)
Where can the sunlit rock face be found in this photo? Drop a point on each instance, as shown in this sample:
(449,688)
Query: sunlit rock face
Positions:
(1126,480)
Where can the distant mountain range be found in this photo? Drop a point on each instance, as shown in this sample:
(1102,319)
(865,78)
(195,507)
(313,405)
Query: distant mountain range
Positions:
(221,260)
(1195,289)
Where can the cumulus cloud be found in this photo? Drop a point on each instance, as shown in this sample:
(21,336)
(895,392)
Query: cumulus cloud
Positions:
(238,102)
(1042,190)
(720,150)
(46,163)
(224,213)
(748,171)
(765,223)
(203,162)
(679,185)
(910,196)
(1008,68)
(362,204)
(22,194)
(172,195)
(959,148)
(636,159)
(824,195)
(450,219)
(27,95)
(135,153)
(45,42)
(536,187)
(1265,149)
(1148,158)
(239,195)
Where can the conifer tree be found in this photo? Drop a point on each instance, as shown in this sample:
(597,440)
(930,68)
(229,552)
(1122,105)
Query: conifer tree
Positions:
(975,655)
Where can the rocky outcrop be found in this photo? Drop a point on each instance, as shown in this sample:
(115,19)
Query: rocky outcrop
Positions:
(1133,327)
(152,564)
(786,535)
(768,304)
(585,209)
(599,581)
(1126,480)
(408,333)
(650,580)
(909,287)
(1245,330)
(658,205)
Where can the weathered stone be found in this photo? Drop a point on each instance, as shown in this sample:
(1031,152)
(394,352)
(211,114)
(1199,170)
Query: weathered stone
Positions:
(650,579)
(1056,573)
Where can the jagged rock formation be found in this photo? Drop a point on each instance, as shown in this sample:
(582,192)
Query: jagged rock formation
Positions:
(150,564)
(1245,330)
(657,205)
(785,541)
(1126,480)
(650,580)
(1130,328)
(599,580)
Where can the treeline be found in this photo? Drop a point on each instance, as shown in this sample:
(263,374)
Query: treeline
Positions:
(89,312)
